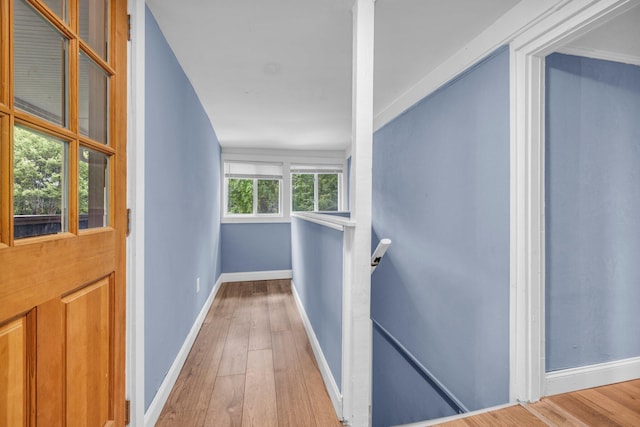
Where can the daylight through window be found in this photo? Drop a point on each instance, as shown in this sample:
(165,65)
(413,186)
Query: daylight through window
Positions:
(252,188)
(315,188)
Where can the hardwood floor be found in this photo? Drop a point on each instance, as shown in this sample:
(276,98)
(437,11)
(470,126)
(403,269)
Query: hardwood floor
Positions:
(611,405)
(251,365)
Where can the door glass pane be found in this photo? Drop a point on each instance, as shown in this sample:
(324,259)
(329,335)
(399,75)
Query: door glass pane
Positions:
(328,192)
(59,7)
(40,65)
(40,179)
(94,24)
(268,196)
(302,191)
(240,196)
(94,105)
(93,181)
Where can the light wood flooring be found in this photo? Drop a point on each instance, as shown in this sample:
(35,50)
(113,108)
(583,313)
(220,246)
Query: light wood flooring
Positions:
(251,365)
(612,405)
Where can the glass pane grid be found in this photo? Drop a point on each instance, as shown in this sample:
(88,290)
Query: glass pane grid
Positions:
(239,196)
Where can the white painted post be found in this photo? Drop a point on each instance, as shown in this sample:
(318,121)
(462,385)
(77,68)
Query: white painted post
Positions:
(357,387)
(135,201)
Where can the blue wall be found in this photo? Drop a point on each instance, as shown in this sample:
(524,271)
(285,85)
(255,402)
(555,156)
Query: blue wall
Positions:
(317,275)
(592,211)
(182,207)
(441,194)
(256,247)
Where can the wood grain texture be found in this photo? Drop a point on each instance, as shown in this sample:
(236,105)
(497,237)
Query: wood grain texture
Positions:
(260,334)
(611,405)
(277,386)
(278,317)
(260,409)
(294,407)
(225,409)
(89,355)
(13,358)
(50,370)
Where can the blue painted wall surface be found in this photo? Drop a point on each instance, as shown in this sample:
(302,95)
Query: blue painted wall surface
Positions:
(317,274)
(400,395)
(592,211)
(441,194)
(182,225)
(256,247)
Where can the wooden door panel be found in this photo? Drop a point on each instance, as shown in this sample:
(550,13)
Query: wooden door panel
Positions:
(89,355)
(13,357)
(41,271)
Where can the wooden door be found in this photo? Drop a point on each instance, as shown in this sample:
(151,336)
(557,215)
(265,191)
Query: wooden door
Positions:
(62,212)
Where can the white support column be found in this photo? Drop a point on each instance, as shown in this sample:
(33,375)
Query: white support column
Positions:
(135,201)
(356,387)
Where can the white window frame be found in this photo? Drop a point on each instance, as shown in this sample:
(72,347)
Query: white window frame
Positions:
(315,187)
(321,159)
(255,178)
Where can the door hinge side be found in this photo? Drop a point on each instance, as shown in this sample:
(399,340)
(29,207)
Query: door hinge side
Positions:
(127,412)
(129,27)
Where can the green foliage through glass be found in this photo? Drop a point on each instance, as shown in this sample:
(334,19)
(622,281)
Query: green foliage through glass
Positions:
(240,196)
(268,196)
(328,192)
(302,192)
(38,174)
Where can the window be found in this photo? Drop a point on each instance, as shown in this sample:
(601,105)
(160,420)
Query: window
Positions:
(252,188)
(315,188)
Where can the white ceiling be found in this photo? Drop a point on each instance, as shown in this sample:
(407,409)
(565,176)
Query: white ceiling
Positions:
(277,74)
(617,38)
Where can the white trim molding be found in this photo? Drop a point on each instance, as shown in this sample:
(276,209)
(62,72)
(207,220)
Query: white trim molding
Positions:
(323,365)
(248,276)
(160,399)
(523,15)
(573,379)
(332,221)
(600,54)
(568,20)
(135,384)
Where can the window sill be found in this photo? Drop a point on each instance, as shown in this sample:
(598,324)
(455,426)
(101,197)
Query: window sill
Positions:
(255,219)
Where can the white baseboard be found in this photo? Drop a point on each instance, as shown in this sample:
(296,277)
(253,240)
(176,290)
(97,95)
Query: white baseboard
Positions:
(153,413)
(325,371)
(257,275)
(591,376)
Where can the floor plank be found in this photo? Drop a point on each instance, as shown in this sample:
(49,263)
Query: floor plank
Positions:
(260,408)
(277,312)
(234,355)
(225,409)
(260,333)
(294,407)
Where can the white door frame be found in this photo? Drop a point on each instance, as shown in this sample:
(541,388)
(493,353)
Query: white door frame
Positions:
(135,200)
(570,20)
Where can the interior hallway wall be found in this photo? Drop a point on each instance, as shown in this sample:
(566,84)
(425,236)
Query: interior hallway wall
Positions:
(182,205)
(251,247)
(441,194)
(592,211)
